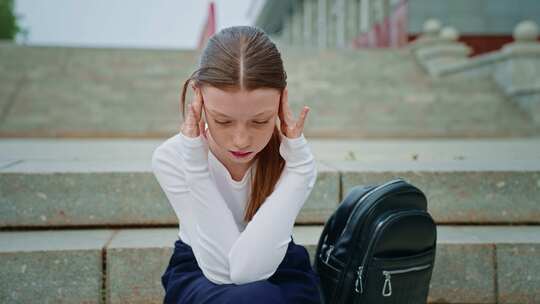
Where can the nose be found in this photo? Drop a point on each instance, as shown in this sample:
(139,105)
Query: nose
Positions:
(241,139)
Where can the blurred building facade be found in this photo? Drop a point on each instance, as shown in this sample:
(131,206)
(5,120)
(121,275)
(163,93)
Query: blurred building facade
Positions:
(485,25)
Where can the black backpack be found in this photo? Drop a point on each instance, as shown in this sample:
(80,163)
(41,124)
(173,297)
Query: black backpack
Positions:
(377,247)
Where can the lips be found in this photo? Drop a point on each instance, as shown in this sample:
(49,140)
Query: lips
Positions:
(240,153)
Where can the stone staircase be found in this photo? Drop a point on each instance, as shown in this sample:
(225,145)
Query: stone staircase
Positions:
(83,220)
(352,94)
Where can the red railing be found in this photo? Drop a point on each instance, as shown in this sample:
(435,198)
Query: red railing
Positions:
(209,27)
(389,32)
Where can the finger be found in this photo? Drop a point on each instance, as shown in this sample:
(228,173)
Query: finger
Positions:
(187,120)
(302,119)
(197,105)
(283,127)
(289,118)
(186,126)
(191,121)
(201,127)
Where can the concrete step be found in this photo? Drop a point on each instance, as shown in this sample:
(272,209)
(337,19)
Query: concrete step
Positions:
(353,94)
(98,183)
(473,264)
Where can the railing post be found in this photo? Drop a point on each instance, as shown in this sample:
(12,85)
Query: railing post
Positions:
(519,74)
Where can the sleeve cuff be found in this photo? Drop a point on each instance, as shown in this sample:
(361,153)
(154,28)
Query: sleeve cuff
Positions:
(295,150)
(194,150)
(292,143)
(192,142)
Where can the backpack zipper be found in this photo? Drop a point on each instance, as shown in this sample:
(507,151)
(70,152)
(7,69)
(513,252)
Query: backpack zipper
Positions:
(387,274)
(328,252)
(380,226)
(358,281)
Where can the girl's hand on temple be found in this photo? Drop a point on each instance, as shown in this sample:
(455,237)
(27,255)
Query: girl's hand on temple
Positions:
(193,124)
(289,126)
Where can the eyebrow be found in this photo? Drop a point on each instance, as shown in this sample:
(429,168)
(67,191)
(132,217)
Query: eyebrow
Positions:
(257,115)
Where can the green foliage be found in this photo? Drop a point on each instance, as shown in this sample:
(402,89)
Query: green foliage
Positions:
(8,21)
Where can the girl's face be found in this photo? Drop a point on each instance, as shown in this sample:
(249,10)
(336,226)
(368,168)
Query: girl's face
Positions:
(240,121)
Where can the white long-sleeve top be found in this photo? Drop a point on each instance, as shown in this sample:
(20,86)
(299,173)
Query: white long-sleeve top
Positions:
(210,207)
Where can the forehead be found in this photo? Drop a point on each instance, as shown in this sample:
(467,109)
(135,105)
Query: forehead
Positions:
(240,103)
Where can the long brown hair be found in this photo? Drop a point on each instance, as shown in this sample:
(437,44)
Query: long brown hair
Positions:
(244,57)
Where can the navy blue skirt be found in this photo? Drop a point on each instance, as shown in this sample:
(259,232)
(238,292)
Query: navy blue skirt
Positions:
(293,282)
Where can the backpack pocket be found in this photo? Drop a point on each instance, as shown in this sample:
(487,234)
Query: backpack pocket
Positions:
(399,280)
(329,276)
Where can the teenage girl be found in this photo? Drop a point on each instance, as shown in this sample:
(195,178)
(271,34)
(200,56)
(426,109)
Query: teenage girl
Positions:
(237,175)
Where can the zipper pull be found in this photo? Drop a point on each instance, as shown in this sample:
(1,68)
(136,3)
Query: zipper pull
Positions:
(328,253)
(359,280)
(387,283)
